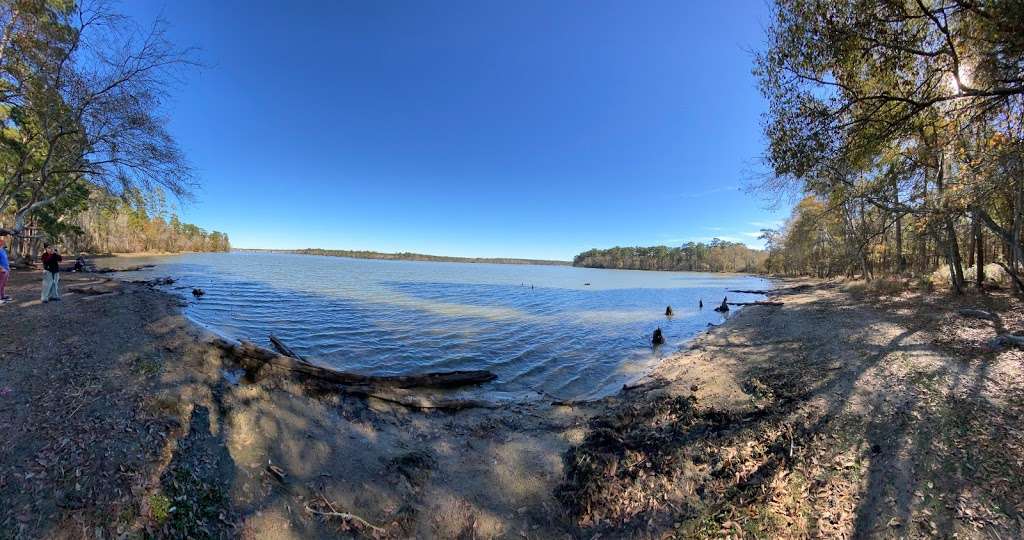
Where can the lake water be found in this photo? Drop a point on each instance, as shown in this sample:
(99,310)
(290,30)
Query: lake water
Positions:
(539,328)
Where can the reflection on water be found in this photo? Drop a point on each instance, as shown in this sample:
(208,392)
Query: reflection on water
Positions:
(540,328)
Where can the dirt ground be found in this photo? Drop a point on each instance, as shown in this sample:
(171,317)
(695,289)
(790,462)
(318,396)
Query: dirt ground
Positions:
(842,413)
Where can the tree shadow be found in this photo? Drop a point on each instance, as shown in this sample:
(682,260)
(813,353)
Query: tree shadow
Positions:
(845,369)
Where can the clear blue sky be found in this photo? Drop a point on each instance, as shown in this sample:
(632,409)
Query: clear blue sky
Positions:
(475,128)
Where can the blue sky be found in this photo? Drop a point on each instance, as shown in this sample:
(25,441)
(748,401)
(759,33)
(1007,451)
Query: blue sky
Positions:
(477,128)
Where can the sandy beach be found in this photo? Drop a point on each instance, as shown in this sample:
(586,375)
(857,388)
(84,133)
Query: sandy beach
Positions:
(842,413)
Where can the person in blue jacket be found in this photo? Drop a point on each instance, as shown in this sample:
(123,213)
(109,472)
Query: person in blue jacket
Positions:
(5,271)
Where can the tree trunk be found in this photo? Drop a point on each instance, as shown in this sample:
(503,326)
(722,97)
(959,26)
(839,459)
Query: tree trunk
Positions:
(1011,238)
(979,252)
(955,280)
(972,246)
(957,262)
(901,262)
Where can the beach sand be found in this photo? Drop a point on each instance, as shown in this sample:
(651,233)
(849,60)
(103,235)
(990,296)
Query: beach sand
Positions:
(841,413)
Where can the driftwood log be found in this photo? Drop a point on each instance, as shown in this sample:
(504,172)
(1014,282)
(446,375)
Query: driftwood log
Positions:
(155,282)
(255,358)
(781,290)
(128,269)
(760,303)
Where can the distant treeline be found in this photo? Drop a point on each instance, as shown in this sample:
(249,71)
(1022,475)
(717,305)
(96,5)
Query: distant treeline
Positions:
(406,256)
(114,226)
(716,256)
(106,224)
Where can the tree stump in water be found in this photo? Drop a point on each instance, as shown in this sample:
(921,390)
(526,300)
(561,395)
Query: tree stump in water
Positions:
(724,307)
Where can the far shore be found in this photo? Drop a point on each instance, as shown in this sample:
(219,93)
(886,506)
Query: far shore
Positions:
(144,254)
(404,256)
(841,400)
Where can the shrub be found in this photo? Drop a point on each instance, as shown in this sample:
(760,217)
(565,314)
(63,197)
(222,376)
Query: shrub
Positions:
(994,275)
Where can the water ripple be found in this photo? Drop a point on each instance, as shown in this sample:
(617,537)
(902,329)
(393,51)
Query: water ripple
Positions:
(539,328)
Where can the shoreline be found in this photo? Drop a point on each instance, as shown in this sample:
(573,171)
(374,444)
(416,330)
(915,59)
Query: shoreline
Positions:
(747,409)
(525,395)
(405,256)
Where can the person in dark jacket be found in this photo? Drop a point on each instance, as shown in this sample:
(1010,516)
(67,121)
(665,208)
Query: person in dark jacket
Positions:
(51,274)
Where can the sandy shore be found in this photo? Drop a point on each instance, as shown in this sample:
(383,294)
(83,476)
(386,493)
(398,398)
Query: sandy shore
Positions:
(837,414)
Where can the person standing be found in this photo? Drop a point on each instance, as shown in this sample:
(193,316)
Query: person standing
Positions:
(51,274)
(5,271)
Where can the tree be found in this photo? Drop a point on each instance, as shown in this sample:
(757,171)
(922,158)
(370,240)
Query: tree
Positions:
(898,109)
(81,96)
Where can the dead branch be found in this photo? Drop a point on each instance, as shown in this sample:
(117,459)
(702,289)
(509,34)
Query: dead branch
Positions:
(346,516)
(284,349)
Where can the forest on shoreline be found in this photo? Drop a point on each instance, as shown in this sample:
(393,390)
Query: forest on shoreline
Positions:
(715,256)
(406,256)
(898,132)
(899,129)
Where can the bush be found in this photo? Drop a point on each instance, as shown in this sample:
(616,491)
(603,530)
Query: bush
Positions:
(887,286)
(159,508)
(883,286)
(994,275)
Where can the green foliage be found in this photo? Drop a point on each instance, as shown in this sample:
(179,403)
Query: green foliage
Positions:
(901,122)
(716,256)
(80,110)
(407,256)
(159,508)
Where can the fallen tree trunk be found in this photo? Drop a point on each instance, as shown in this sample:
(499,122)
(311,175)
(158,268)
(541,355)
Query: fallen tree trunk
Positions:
(781,290)
(155,282)
(106,270)
(255,358)
(755,303)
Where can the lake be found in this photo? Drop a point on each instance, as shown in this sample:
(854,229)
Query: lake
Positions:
(572,333)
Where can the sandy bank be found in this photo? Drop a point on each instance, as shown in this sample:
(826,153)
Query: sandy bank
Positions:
(831,415)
